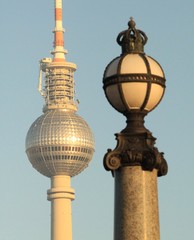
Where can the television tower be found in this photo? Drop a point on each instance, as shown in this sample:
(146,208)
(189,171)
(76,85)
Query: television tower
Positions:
(59,144)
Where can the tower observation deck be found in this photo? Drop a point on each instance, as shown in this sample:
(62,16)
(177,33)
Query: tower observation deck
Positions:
(59,144)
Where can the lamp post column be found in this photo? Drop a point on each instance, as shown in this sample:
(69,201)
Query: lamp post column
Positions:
(136,204)
(135,164)
(134,85)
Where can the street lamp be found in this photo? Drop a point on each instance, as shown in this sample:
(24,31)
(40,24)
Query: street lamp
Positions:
(134,85)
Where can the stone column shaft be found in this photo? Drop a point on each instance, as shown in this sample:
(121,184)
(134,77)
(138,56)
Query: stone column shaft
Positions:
(136,204)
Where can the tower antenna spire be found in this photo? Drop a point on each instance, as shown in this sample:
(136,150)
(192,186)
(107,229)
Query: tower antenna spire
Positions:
(56,78)
(58,44)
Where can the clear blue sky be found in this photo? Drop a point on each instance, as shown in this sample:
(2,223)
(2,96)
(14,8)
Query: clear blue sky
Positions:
(91,30)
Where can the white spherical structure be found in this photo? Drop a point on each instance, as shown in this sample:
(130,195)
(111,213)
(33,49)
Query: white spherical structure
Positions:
(59,142)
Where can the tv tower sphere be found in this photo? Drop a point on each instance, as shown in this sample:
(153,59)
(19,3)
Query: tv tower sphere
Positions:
(59,142)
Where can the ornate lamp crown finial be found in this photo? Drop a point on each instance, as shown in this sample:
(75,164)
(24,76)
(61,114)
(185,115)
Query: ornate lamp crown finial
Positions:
(132,40)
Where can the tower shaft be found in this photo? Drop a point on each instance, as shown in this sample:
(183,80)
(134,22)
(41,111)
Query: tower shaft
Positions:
(61,195)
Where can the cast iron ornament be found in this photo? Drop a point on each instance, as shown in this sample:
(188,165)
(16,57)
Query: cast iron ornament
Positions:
(135,147)
(132,40)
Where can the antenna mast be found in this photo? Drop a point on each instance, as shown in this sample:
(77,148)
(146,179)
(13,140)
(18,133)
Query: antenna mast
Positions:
(59,51)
